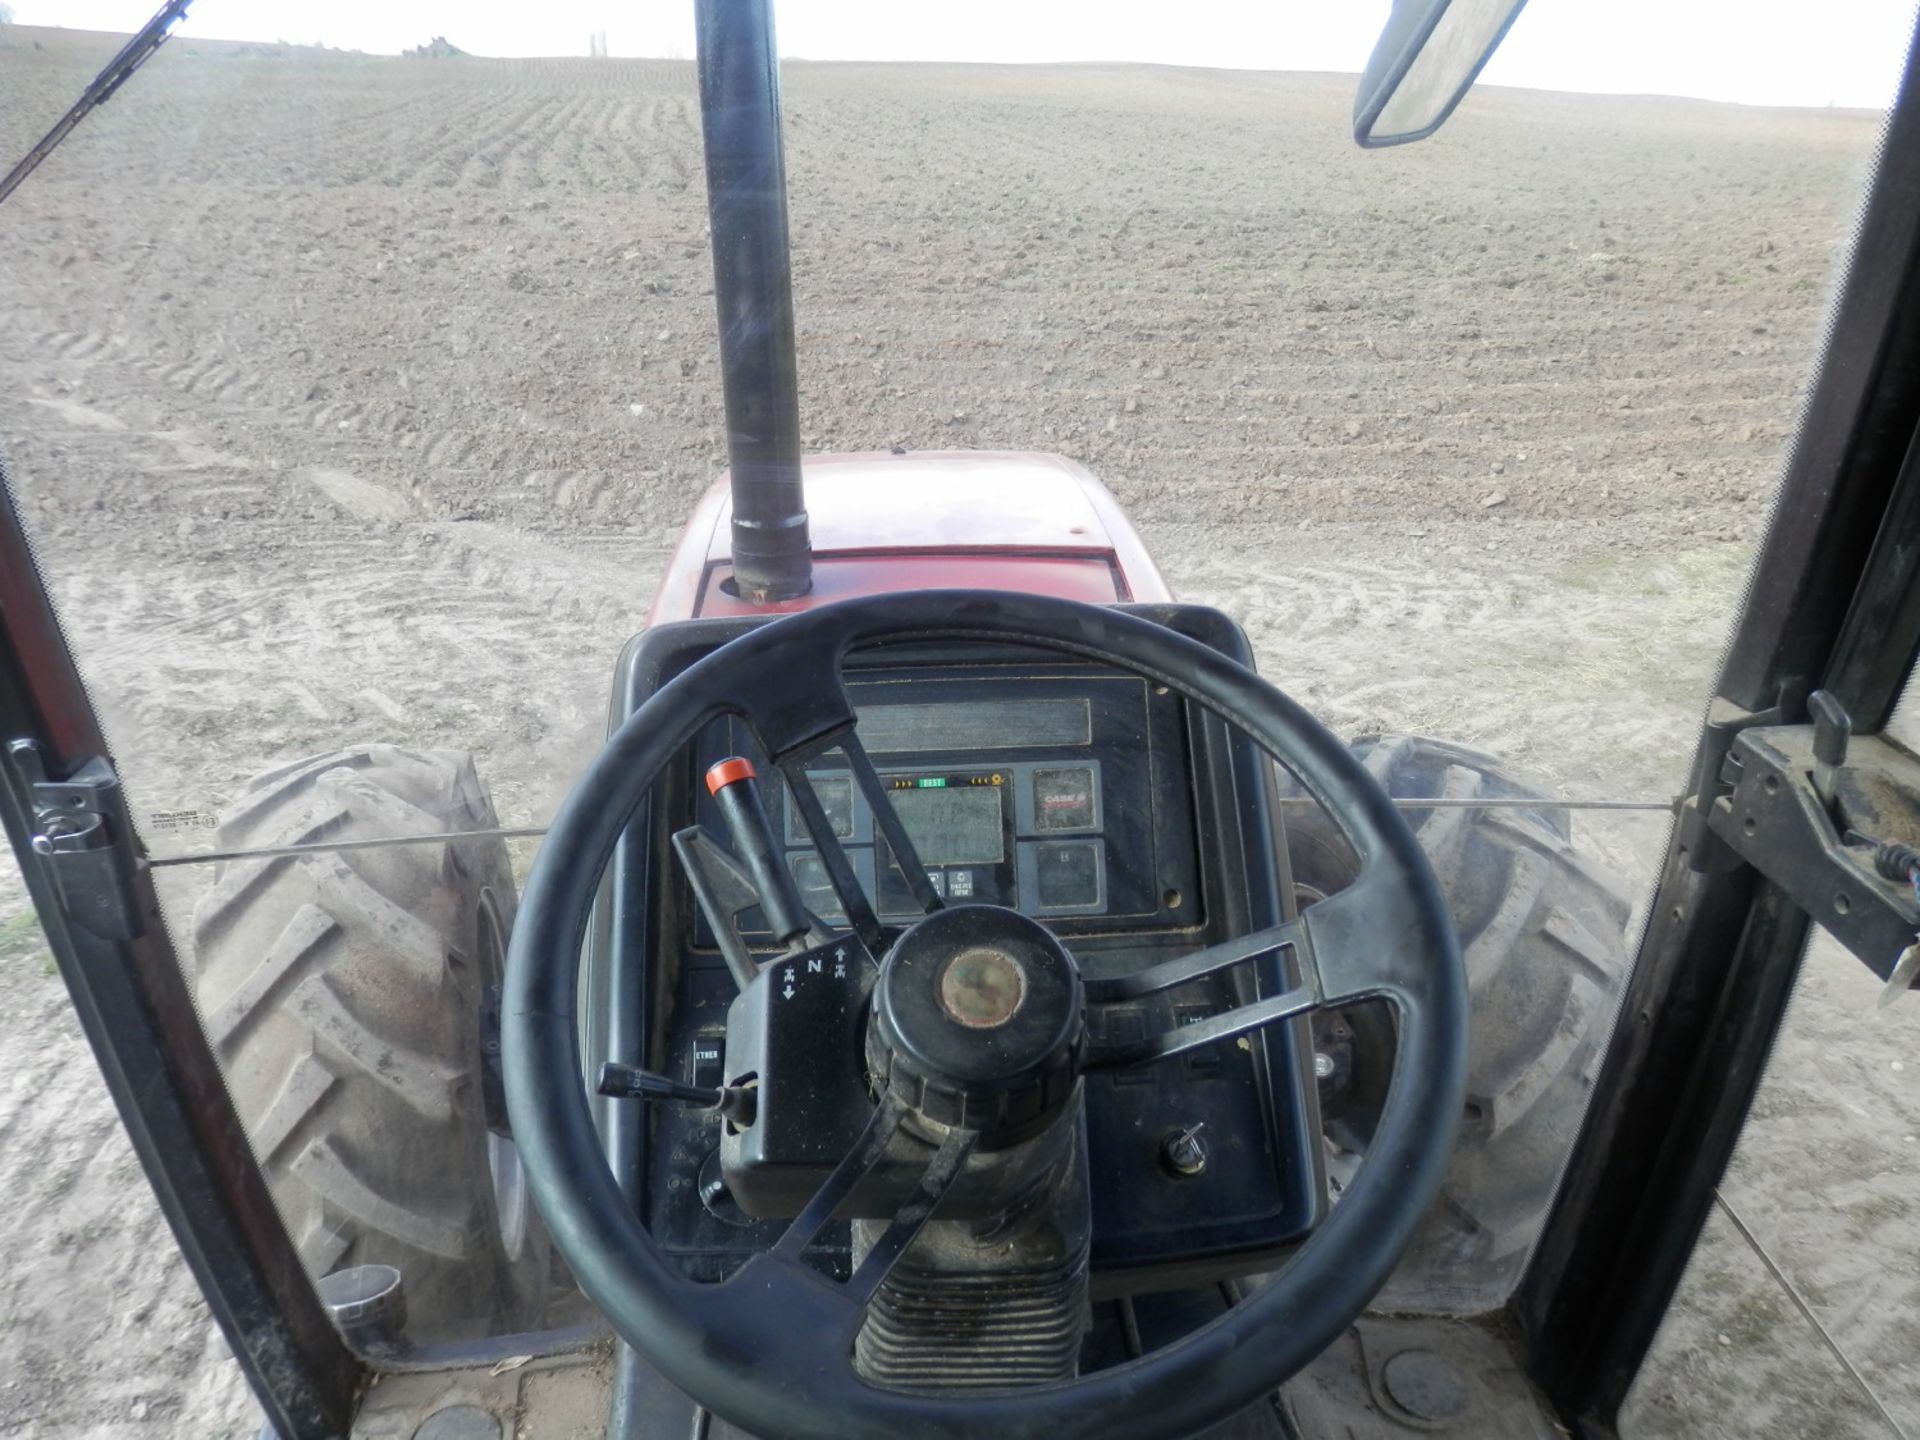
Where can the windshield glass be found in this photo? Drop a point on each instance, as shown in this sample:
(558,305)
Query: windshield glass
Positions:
(357,404)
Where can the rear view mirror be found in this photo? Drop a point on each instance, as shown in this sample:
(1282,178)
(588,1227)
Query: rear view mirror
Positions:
(1423,64)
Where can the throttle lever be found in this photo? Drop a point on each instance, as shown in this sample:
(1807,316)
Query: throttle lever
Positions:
(731,783)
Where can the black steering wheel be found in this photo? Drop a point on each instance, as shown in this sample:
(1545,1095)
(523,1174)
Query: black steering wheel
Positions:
(771,1348)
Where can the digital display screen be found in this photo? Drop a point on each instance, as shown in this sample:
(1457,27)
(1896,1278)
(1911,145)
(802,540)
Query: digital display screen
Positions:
(952,825)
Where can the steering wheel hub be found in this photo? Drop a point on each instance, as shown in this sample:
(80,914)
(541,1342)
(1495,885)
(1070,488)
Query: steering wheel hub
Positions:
(977,1023)
(983,988)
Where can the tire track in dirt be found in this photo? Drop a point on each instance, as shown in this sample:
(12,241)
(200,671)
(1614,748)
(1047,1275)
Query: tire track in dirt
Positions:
(442,143)
(358,617)
(319,616)
(667,143)
(223,385)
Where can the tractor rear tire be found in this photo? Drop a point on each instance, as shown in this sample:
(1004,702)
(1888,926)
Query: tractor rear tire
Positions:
(1542,931)
(343,992)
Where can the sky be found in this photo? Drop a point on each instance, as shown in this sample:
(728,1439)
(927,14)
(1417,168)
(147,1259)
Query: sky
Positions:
(1759,52)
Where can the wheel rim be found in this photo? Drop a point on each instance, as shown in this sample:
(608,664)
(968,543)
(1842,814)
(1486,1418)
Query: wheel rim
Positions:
(503,1156)
(509,1193)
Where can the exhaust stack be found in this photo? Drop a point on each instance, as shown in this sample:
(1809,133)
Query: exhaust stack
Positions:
(753,294)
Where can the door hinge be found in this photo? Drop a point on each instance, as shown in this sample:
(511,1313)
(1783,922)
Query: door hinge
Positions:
(1717,774)
(80,830)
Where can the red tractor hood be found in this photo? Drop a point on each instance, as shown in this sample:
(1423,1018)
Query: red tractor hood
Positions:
(935,519)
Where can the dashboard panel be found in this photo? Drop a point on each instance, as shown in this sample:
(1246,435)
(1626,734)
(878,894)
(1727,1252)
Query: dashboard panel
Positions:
(1133,825)
(1057,791)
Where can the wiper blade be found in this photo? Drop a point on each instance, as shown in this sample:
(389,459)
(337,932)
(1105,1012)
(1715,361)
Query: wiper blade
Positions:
(131,57)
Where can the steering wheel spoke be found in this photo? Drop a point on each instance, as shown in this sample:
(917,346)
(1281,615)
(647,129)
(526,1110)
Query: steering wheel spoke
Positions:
(859,907)
(1366,941)
(912,1217)
(1274,940)
(905,855)
(1286,945)
(855,903)
(1240,1020)
(914,1213)
(865,1154)
(1331,955)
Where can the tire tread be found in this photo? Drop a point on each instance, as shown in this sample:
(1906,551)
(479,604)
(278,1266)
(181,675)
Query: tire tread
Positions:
(339,991)
(1542,934)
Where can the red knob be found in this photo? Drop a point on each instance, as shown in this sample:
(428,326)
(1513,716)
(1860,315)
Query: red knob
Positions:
(729,772)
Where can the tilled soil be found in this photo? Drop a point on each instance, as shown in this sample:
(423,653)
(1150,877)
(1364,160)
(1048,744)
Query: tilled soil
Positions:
(358,399)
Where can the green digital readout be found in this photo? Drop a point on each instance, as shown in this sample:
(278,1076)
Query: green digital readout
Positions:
(958,825)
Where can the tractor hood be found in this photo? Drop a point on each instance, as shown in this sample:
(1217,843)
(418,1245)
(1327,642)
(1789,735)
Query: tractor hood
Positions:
(994,520)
